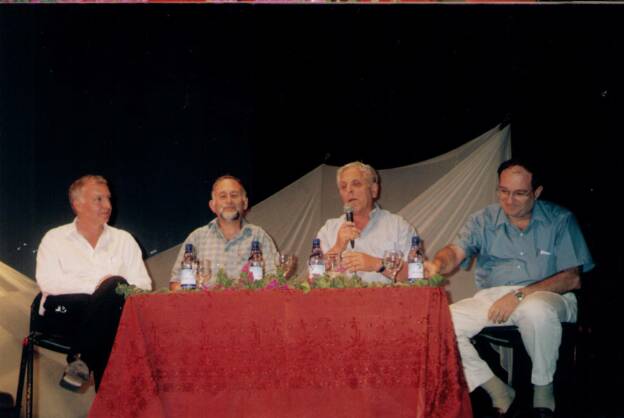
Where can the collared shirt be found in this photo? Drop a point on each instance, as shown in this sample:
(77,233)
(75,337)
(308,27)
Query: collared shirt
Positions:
(67,263)
(384,231)
(506,255)
(209,243)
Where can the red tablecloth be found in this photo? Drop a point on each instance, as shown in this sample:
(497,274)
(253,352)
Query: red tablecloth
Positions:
(352,353)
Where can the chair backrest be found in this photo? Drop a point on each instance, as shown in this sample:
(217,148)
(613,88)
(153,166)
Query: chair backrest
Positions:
(34,311)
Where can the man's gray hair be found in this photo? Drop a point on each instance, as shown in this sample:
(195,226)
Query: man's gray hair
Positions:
(76,187)
(369,173)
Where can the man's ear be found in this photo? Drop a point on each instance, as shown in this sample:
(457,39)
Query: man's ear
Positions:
(375,190)
(538,191)
(211,206)
(245,203)
(74,205)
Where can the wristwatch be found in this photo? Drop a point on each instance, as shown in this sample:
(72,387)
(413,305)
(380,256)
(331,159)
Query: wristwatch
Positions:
(518,294)
(381,269)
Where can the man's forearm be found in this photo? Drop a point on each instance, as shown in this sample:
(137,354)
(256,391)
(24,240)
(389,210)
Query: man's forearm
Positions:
(561,282)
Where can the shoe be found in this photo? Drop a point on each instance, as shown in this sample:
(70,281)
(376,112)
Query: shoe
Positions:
(514,411)
(76,374)
(543,413)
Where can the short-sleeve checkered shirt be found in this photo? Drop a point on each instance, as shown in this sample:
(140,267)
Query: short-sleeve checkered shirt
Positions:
(209,243)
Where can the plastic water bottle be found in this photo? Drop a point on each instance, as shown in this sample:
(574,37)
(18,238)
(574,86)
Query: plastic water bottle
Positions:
(415,261)
(316,262)
(256,263)
(188,279)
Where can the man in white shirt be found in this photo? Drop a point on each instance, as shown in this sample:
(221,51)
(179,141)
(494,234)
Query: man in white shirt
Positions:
(361,243)
(78,268)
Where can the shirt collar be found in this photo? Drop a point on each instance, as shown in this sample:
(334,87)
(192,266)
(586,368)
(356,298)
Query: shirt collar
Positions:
(375,211)
(501,218)
(245,229)
(537,215)
(373,218)
(73,232)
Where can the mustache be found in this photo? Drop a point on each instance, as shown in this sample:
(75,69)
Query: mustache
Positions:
(233,215)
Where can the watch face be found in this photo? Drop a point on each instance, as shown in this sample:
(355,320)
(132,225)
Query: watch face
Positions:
(519,295)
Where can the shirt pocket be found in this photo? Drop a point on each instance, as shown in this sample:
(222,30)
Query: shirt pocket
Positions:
(544,262)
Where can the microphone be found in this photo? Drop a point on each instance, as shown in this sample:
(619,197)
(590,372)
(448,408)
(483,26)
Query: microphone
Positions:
(348,210)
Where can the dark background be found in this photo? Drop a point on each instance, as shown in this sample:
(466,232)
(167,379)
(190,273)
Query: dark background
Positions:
(163,99)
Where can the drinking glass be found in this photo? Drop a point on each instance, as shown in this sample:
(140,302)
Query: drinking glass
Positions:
(393,261)
(334,263)
(204,272)
(286,264)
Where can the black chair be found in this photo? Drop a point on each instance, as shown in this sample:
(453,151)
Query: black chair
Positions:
(36,337)
(509,336)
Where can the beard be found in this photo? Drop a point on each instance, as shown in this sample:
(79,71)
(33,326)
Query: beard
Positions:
(230,214)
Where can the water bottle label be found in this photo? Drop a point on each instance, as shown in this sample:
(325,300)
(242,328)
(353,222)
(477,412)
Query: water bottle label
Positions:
(187,279)
(415,271)
(317,269)
(256,271)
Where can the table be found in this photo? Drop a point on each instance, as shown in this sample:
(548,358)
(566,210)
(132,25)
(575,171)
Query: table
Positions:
(379,352)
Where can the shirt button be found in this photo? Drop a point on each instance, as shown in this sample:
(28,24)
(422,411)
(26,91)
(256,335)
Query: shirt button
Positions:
(521,252)
(521,234)
(518,266)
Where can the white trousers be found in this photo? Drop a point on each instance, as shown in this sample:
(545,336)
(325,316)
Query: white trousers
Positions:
(538,318)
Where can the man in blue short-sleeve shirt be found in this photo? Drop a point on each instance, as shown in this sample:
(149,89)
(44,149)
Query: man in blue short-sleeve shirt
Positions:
(529,257)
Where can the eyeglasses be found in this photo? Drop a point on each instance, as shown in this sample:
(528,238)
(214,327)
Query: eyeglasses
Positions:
(516,194)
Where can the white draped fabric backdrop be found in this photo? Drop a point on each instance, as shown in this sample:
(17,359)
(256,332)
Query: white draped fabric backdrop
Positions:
(435,196)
